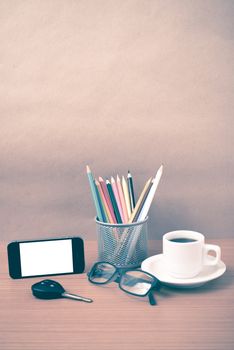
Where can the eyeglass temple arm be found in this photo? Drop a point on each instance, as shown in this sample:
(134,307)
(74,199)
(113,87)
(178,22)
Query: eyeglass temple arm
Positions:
(152,299)
(151,296)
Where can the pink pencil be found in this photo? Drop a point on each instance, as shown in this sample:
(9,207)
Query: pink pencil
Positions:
(116,193)
(107,210)
(122,200)
(105,192)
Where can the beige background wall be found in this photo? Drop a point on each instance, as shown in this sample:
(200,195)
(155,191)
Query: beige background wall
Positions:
(118,85)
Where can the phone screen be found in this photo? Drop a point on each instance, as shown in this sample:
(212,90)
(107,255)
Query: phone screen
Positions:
(46,257)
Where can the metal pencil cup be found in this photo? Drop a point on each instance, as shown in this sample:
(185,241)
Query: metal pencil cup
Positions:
(124,245)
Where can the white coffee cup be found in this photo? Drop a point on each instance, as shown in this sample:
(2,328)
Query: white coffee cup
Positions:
(185,253)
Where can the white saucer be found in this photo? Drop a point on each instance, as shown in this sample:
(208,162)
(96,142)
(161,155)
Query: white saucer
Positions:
(156,267)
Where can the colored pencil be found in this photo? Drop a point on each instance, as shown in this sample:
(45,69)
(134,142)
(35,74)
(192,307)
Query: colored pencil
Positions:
(104,204)
(144,213)
(122,199)
(126,196)
(117,198)
(107,197)
(113,201)
(139,209)
(94,194)
(151,194)
(131,191)
(139,202)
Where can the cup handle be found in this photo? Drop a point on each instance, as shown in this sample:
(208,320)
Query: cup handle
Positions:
(209,248)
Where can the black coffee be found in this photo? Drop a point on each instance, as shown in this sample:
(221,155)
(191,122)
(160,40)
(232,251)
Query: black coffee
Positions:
(182,240)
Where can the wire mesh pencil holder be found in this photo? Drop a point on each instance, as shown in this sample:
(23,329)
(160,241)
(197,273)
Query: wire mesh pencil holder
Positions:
(124,245)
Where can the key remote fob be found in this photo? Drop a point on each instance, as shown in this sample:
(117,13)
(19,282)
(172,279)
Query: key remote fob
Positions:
(49,289)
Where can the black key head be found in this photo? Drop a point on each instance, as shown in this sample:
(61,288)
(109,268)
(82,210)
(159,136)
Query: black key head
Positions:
(47,289)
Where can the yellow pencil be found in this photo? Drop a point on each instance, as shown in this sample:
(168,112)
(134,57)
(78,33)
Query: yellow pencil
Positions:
(139,202)
(126,196)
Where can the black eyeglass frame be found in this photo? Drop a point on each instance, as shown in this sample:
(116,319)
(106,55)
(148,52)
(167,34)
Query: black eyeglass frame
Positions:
(117,276)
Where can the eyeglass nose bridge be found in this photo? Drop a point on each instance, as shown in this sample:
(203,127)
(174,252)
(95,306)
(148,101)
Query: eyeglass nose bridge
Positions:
(119,272)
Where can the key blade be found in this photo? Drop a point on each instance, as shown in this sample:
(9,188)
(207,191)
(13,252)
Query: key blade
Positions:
(76,297)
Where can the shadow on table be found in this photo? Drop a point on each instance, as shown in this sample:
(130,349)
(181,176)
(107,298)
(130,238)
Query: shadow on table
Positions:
(210,287)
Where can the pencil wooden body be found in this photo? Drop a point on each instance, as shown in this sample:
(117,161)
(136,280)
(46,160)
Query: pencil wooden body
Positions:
(113,200)
(108,201)
(131,191)
(105,206)
(104,213)
(139,209)
(116,194)
(149,199)
(122,199)
(126,196)
(94,194)
(139,202)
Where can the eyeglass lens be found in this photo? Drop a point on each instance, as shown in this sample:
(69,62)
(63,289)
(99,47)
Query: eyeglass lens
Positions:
(102,273)
(136,282)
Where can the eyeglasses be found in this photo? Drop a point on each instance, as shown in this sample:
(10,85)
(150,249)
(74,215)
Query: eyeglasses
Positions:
(135,281)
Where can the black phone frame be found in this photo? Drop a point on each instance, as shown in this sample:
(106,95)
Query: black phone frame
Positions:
(14,263)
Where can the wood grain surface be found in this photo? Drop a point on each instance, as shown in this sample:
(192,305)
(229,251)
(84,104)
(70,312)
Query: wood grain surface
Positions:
(200,319)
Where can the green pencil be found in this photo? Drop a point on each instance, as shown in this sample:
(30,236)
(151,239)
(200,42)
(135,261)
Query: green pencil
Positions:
(113,201)
(94,194)
(104,213)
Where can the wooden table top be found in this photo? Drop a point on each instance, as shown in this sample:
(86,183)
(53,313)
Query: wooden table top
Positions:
(201,318)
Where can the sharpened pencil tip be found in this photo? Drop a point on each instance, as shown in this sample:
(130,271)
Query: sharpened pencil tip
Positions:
(118,179)
(100,179)
(88,169)
(159,173)
(112,180)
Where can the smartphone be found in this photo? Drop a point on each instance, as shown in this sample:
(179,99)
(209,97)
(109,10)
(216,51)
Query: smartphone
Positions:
(46,257)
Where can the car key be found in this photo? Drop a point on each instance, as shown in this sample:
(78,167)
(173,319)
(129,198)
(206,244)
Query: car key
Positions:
(49,289)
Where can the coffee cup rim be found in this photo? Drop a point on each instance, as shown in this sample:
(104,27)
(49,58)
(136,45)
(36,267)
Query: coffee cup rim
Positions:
(199,237)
